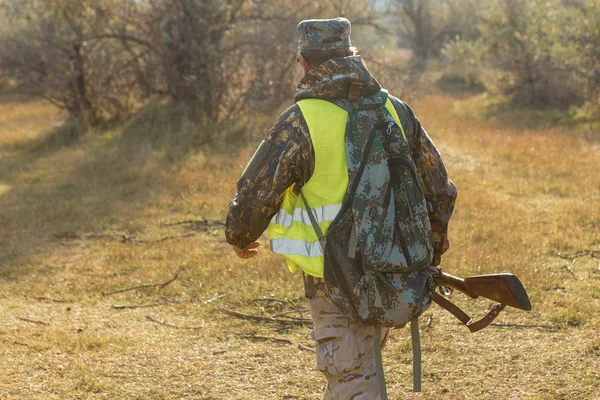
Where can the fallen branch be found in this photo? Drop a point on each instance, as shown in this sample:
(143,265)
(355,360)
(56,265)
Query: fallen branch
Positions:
(126,306)
(16,343)
(570,269)
(66,235)
(299,311)
(576,254)
(164,238)
(196,224)
(184,199)
(214,298)
(159,285)
(156,321)
(51,299)
(87,236)
(258,338)
(33,321)
(270,300)
(123,238)
(525,326)
(306,348)
(429,321)
(258,318)
(171,299)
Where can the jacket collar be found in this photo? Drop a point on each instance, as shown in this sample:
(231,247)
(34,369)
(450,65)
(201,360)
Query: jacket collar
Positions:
(337,79)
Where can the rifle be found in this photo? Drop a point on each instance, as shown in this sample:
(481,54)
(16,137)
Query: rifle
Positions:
(506,289)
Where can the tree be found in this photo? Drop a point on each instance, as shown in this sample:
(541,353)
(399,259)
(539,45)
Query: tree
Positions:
(52,50)
(103,58)
(426,26)
(530,41)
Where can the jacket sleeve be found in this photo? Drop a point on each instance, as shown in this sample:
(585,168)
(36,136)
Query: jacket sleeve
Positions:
(282,160)
(439,190)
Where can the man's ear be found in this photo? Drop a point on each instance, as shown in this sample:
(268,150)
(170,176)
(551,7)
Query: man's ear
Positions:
(304,63)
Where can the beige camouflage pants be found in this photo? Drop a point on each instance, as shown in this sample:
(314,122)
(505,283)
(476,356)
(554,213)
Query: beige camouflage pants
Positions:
(344,353)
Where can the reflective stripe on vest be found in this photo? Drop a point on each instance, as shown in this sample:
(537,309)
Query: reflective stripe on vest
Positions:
(291,231)
(322,214)
(296,247)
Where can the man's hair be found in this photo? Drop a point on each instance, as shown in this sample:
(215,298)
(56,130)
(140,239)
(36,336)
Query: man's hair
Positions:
(317,57)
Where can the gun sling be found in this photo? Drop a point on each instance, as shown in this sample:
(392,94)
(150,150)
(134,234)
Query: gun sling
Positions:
(473,326)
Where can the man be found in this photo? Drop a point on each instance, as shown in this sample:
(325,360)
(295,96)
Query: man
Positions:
(298,153)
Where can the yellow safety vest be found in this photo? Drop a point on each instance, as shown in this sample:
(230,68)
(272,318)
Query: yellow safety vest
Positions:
(290,230)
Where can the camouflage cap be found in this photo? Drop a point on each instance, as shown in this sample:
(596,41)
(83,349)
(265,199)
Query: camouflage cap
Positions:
(324,34)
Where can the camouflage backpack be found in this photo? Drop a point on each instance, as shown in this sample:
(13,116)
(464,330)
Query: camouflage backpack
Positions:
(381,238)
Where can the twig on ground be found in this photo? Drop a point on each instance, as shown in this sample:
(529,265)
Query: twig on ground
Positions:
(299,311)
(306,348)
(196,223)
(126,306)
(16,343)
(570,269)
(51,299)
(258,318)
(164,238)
(292,303)
(254,337)
(429,321)
(552,327)
(105,236)
(160,285)
(33,321)
(171,299)
(270,300)
(184,199)
(576,254)
(66,235)
(149,318)
(214,299)
(87,236)
(123,238)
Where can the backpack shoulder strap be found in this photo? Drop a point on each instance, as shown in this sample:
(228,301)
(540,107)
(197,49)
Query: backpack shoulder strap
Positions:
(416,349)
(313,222)
(383,95)
(379,363)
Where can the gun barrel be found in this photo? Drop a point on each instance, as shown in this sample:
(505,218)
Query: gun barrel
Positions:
(503,288)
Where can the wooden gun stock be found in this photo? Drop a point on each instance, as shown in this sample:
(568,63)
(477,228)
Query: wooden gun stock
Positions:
(502,288)
(506,289)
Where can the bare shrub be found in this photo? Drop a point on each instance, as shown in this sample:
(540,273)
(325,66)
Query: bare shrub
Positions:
(527,40)
(102,59)
(52,50)
(427,26)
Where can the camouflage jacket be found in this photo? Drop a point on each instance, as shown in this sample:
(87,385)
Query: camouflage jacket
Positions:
(290,157)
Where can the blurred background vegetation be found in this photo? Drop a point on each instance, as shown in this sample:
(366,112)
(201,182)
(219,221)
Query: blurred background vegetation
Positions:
(207,61)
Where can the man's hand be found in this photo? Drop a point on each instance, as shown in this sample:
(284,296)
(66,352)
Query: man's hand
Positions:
(249,252)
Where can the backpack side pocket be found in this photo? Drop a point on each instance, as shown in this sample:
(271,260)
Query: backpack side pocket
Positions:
(412,226)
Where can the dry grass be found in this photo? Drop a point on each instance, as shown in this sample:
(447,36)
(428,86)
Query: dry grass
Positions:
(524,196)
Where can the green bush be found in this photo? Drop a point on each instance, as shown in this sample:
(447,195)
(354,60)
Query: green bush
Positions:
(460,83)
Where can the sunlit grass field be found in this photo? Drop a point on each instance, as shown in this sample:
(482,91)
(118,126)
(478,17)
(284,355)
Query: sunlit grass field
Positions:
(139,204)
